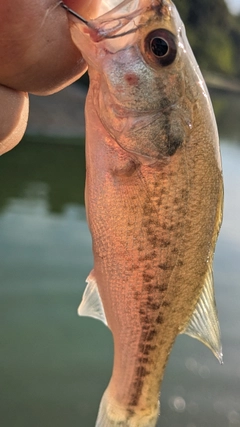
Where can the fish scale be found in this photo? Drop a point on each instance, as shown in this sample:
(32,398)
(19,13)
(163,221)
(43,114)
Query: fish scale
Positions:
(154,196)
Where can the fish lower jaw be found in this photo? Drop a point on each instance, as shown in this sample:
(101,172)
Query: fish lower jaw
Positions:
(111,414)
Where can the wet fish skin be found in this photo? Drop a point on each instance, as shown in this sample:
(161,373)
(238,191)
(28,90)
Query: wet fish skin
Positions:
(154,205)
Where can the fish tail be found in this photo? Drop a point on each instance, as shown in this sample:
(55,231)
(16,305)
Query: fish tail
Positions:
(112,415)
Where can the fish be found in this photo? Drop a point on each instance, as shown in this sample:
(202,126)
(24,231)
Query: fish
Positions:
(154,199)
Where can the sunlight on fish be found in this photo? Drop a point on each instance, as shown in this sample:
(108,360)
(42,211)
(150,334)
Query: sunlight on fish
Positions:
(154,195)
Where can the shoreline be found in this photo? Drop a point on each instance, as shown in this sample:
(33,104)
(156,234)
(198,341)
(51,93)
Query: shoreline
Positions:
(224,84)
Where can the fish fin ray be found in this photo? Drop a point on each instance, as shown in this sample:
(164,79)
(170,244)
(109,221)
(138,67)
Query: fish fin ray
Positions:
(91,304)
(204,324)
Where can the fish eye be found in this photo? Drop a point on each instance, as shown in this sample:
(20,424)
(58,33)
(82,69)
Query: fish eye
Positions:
(160,47)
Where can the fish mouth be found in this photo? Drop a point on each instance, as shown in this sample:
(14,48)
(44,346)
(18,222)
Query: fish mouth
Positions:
(108,25)
(126,15)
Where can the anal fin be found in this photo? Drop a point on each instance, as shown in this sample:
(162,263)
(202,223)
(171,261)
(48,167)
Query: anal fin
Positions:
(91,304)
(203,324)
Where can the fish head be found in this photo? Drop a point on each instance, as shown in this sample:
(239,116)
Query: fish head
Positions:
(144,78)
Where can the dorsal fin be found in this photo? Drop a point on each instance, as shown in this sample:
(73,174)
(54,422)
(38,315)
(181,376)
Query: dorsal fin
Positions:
(91,304)
(203,324)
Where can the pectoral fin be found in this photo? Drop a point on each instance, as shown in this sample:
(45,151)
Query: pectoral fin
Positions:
(204,324)
(91,304)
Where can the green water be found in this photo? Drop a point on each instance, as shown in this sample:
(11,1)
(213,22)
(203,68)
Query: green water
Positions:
(55,366)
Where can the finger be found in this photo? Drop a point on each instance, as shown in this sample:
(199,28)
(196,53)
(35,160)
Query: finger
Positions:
(87,8)
(13,117)
(37,53)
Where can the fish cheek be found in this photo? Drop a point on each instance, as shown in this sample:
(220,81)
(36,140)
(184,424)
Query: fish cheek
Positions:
(131,79)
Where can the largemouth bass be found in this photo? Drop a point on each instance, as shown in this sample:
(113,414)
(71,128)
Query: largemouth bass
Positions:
(154,195)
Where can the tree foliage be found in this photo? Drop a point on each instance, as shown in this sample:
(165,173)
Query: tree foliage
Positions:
(213,33)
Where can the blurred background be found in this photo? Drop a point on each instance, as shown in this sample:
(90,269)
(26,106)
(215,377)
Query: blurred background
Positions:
(55,366)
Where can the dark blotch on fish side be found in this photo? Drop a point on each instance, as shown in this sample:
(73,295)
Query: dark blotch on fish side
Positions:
(138,385)
(147,277)
(175,144)
(176,136)
(154,306)
(148,335)
(159,319)
(134,400)
(143,360)
(144,336)
(164,266)
(151,335)
(162,287)
(148,348)
(166,304)
(146,320)
(173,133)
(141,347)
(141,371)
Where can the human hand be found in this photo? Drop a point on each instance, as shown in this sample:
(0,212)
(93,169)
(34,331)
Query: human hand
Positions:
(37,55)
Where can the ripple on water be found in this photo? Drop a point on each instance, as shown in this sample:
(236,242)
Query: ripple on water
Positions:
(177,403)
